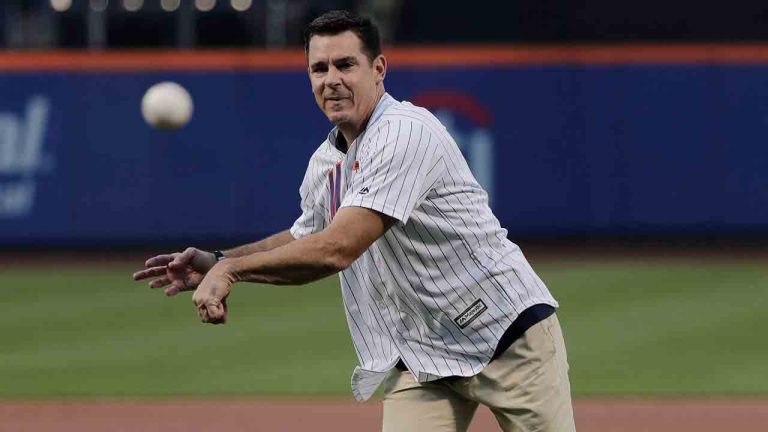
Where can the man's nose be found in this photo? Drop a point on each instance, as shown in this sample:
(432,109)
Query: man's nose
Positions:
(332,78)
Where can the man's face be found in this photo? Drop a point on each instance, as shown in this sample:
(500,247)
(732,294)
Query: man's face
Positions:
(344,82)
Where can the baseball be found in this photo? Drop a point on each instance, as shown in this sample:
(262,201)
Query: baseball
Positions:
(166,105)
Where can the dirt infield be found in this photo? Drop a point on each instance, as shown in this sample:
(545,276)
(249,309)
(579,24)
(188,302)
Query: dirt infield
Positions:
(323,415)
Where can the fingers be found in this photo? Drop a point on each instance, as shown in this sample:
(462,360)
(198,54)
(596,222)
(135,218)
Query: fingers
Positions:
(213,312)
(209,315)
(225,311)
(216,313)
(202,312)
(181,260)
(148,273)
(210,298)
(160,282)
(176,287)
(160,260)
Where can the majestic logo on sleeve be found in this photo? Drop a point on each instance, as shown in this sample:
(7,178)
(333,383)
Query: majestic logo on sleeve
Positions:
(21,157)
(467,121)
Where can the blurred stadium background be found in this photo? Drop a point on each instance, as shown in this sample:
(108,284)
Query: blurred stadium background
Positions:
(622,144)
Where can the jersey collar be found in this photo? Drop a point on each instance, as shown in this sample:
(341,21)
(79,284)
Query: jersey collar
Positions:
(336,140)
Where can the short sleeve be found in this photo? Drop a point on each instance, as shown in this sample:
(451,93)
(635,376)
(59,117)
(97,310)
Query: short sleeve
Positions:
(312,219)
(396,168)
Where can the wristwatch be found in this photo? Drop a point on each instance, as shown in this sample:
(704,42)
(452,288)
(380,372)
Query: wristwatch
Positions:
(219,255)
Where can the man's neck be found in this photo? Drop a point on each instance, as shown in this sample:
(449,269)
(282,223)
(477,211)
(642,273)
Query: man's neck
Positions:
(351,132)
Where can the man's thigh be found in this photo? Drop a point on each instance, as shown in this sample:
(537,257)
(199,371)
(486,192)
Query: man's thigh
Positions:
(410,406)
(527,387)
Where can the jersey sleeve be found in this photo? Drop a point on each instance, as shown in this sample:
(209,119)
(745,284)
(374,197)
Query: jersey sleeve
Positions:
(312,219)
(397,167)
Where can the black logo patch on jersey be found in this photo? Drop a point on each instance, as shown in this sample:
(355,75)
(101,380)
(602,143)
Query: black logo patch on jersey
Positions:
(364,191)
(472,312)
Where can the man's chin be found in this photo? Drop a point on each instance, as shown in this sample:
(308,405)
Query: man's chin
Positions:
(338,118)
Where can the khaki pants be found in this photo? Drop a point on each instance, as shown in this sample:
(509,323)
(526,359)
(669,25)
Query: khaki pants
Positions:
(526,388)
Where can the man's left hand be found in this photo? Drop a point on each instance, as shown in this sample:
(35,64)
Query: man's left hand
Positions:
(210,297)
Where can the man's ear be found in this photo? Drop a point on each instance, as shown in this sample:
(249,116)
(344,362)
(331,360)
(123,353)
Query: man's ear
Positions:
(380,66)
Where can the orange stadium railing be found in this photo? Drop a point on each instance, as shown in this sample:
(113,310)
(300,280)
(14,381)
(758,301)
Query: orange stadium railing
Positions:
(438,56)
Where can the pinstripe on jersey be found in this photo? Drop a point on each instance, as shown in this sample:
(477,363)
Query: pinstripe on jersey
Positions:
(443,284)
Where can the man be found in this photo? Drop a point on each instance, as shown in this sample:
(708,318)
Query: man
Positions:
(439,302)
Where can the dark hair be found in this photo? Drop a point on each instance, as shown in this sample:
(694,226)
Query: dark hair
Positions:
(339,21)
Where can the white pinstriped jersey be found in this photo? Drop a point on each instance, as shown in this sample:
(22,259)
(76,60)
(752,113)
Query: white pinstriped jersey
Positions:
(439,289)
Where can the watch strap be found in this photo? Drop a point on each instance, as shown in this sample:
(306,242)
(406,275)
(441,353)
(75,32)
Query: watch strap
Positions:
(219,255)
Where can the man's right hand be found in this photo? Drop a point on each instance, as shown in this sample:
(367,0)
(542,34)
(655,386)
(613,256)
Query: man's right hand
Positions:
(183,271)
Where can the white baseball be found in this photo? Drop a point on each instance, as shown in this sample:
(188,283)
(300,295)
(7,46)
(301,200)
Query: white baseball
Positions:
(167,105)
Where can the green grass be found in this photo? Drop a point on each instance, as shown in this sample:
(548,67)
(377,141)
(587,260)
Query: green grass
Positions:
(95,332)
(672,328)
(664,329)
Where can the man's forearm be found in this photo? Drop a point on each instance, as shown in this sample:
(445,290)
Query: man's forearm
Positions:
(305,260)
(274,241)
(312,257)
